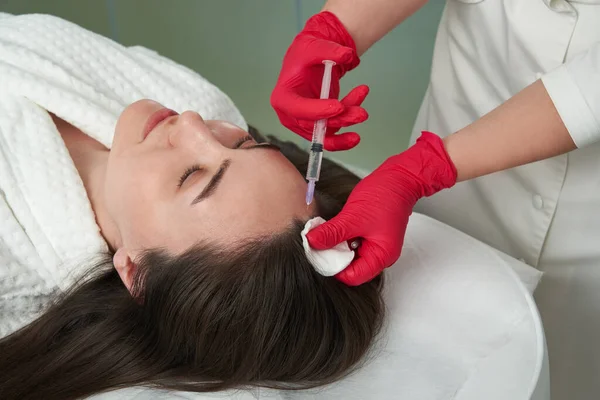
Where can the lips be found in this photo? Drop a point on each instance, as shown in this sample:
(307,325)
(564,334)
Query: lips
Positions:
(156,119)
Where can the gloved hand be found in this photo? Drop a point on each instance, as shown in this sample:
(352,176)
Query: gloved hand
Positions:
(378,208)
(296,94)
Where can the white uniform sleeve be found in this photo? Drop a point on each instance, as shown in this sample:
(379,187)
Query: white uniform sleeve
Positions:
(574,88)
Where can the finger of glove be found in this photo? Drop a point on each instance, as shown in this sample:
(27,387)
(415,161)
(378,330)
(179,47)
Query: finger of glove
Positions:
(341,142)
(300,107)
(330,233)
(350,116)
(362,269)
(320,50)
(308,127)
(356,96)
(295,126)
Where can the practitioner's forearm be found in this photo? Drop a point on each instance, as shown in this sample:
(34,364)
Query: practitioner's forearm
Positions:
(524,129)
(367,21)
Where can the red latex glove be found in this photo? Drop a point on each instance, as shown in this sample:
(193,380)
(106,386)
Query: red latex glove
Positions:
(296,94)
(378,208)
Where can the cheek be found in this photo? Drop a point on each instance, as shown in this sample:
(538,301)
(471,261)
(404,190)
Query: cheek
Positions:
(134,189)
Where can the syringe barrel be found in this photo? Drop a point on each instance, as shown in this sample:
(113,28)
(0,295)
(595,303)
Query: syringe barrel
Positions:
(316,151)
(314,163)
(319,130)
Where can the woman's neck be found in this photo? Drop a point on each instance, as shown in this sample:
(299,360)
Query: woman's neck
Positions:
(90,158)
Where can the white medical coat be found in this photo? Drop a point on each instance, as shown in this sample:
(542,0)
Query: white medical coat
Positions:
(546,213)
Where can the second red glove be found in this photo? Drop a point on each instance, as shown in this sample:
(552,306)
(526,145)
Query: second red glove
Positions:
(378,208)
(295,97)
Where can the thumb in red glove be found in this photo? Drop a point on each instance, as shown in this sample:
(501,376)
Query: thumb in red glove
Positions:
(378,208)
(295,97)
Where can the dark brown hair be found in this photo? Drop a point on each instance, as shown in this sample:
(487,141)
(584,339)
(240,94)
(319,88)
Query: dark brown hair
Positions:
(206,320)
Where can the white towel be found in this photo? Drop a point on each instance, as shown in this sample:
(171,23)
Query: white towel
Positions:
(47,226)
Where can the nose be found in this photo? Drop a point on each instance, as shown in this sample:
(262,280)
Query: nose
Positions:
(191,117)
(191,132)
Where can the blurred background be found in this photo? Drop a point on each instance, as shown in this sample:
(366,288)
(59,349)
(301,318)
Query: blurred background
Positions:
(239,44)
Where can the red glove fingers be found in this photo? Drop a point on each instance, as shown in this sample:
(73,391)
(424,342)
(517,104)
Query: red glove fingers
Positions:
(295,97)
(378,209)
(352,114)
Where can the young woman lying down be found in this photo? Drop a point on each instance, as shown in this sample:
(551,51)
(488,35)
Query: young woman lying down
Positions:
(141,246)
(147,240)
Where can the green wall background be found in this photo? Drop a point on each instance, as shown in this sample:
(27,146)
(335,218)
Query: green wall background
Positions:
(239,44)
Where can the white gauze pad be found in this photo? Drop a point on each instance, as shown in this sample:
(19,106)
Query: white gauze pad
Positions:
(326,262)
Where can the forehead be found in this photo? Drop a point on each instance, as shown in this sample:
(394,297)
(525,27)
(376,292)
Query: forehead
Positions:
(261,193)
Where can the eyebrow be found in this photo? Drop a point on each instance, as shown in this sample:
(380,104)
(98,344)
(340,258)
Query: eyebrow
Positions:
(218,176)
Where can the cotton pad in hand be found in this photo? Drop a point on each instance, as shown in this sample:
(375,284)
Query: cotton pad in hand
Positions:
(326,262)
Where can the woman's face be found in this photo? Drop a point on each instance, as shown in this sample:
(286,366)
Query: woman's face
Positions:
(171,184)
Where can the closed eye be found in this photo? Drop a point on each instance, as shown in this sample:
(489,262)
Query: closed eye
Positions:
(241,141)
(187,173)
(236,145)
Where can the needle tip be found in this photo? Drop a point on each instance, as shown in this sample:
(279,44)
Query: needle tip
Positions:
(310,192)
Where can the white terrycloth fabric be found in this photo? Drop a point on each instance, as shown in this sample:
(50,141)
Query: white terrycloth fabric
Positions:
(326,262)
(47,227)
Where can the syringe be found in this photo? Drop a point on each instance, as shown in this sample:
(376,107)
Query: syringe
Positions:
(316,148)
